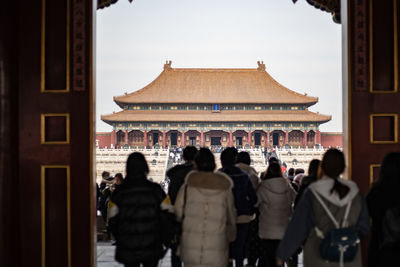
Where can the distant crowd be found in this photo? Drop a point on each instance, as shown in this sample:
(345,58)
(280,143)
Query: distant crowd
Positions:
(234,216)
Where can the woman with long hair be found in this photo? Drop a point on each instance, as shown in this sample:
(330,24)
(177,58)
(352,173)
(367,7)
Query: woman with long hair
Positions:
(137,226)
(276,197)
(311,221)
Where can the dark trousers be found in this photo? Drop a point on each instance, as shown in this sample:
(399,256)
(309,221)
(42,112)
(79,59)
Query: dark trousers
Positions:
(268,257)
(237,246)
(175,259)
(293,262)
(150,263)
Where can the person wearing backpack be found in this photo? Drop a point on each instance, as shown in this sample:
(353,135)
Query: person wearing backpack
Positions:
(384,208)
(329,220)
(137,226)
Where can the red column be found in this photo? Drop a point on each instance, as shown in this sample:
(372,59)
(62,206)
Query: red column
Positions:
(145,138)
(164,141)
(230,138)
(183,139)
(249,137)
(267,139)
(201,138)
(318,137)
(112,138)
(305,138)
(286,138)
(126,137)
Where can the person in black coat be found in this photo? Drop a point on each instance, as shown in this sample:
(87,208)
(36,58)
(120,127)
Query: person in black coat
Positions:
(307,180)
(176,177)
(137,226)
(245,199)
(178,173)
(383,197)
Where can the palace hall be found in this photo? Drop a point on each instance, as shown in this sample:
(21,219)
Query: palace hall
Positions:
(215,107)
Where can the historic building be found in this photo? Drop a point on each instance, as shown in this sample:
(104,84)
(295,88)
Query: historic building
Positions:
(215,107)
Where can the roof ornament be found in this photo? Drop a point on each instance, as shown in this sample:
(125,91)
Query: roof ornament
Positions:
(167,64)
(261,65)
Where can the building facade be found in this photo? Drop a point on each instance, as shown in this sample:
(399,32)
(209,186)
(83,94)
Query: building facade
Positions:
(215,107)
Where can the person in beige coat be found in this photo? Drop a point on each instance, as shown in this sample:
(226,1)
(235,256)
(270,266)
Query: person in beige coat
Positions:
(205,205)
(276,197)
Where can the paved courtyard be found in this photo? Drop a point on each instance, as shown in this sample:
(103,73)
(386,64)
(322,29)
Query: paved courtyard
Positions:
(105,257)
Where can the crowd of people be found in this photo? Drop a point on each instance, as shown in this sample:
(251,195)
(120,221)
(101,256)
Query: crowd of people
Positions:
(222,217)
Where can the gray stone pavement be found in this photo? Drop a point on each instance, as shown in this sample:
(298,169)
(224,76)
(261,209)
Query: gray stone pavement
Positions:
(105,257)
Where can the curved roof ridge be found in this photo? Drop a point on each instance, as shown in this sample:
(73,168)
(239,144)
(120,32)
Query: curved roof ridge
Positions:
(138,91)
(215,85)
(214,69)
(284,87)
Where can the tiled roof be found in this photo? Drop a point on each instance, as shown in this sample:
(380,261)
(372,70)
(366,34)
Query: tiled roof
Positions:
(208,116)
(175,85)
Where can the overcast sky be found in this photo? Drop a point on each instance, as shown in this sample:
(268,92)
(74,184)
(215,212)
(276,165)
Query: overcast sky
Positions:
(299,45)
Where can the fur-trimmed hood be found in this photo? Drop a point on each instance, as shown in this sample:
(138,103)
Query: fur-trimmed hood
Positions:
(209,180)
(324,186)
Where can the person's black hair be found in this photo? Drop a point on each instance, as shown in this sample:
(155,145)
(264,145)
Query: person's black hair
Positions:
(105,174)
(298,171)
(389,176)
(333,165)
(273,170)
(228,157)
(205,160)
(243,157)
(291,172)
(313,167)
(119,176)
(189,153)
(136,166)
(273,159)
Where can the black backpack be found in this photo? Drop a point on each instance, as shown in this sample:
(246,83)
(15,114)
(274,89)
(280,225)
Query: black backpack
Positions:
(341,243)
(390,229)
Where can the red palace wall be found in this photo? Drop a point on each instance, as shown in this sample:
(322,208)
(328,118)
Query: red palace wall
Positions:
(104,139)
(331,139)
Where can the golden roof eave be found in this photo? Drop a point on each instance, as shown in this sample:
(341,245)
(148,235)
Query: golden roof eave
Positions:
(208,116)
(223,86)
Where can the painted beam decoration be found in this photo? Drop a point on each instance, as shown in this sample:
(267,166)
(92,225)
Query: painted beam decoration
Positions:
(360,29)
(331,6)
(78,49)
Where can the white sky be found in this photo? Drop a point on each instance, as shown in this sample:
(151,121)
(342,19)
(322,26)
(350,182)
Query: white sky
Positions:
(300,46)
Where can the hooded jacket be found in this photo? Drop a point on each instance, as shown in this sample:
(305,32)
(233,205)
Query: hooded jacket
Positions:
(209,219)
(310,214)
(276,197)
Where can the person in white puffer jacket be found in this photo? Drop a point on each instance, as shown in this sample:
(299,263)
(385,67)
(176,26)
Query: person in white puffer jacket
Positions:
(276,197)
(206,206)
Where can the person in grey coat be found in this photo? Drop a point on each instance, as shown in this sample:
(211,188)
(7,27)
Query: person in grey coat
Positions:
(309,215)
